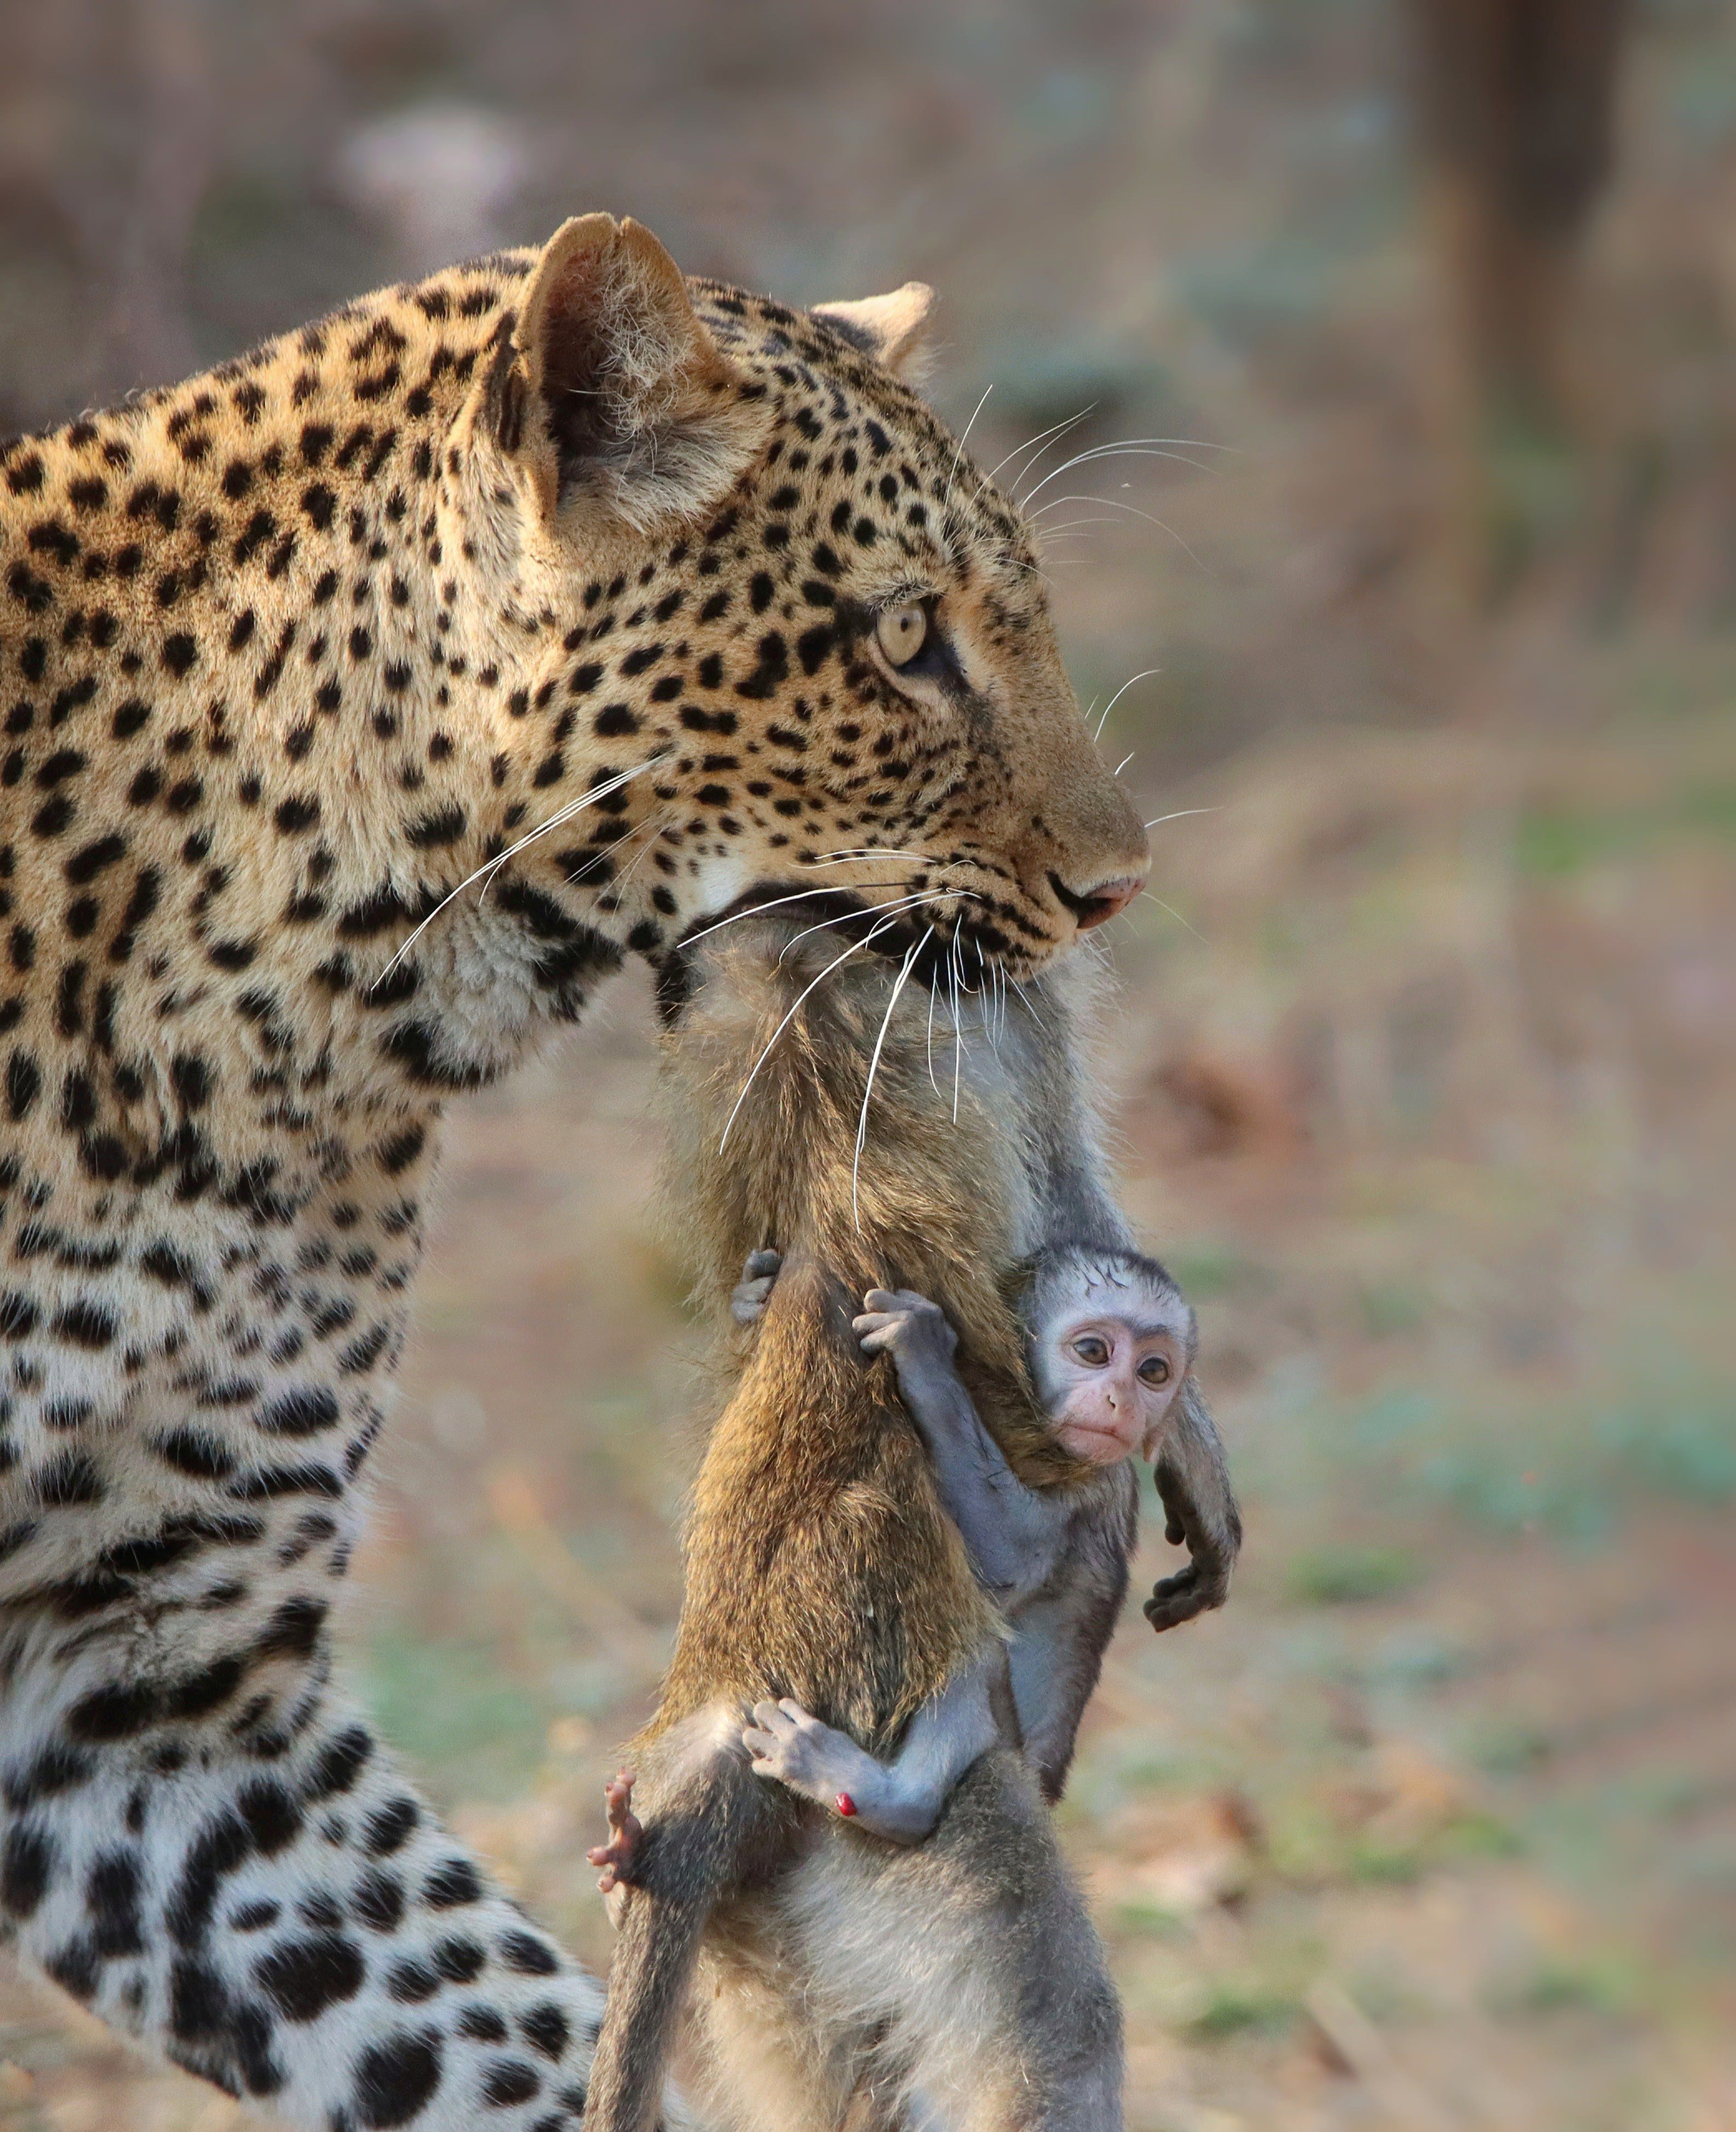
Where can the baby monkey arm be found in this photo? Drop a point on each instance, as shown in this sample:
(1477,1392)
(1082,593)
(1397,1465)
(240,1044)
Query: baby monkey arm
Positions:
(902,1799)
(1200,1509)
(1014,1535)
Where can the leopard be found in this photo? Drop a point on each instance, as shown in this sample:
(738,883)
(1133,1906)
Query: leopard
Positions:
(366,702)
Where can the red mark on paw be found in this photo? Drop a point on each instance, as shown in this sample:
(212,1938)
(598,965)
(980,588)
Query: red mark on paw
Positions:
(847,1805)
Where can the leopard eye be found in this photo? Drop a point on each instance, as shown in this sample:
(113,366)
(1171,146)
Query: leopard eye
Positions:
(901,632)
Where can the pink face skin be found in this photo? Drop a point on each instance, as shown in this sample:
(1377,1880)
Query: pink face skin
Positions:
(1108,1380)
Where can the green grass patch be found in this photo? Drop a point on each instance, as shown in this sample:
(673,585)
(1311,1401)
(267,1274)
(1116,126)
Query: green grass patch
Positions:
(1557,843)
(1351,1576)
(454,1712)
(1243,2005)
(1605,1984)
(1211,1268)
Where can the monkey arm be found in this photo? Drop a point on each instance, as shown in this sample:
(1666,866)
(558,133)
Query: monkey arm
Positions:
(1013,1534)
(900,1800)
(1193,1480)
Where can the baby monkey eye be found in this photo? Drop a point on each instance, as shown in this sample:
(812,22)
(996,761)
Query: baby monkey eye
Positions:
(1154,1371)
(1091,1351)
(901,632)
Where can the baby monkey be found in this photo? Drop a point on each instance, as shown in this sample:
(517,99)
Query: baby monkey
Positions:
(1111,1344)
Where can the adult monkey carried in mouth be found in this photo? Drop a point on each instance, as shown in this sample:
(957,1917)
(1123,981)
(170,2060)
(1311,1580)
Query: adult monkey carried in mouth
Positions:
(822,1567)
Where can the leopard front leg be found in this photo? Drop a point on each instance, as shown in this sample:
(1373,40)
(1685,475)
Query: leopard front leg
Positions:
(225,1863)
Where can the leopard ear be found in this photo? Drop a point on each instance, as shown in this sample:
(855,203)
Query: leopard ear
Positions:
(893,328)
(616,395)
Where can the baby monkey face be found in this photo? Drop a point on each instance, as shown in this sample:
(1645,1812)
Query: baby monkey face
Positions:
(1108,1369)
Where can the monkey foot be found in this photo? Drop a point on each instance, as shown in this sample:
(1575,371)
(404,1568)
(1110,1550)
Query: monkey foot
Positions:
(616,1855)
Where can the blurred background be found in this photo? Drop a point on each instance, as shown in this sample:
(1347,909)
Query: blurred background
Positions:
(1425,573)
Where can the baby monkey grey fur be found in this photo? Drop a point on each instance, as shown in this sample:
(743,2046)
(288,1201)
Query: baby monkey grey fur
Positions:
(841,1973)
(1055,1565)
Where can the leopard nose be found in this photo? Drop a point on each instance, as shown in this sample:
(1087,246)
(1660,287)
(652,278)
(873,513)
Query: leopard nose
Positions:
(1100,902)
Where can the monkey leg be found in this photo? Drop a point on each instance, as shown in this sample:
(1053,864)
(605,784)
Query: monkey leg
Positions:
(966,1967)
(708,1826)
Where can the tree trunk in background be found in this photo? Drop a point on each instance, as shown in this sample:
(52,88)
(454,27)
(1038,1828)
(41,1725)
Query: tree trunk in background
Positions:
(1516,104)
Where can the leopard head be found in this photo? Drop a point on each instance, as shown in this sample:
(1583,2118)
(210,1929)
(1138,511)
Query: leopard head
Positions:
(773,633)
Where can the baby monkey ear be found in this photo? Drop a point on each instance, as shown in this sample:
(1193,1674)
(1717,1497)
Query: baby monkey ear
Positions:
(893,328)
(615,395)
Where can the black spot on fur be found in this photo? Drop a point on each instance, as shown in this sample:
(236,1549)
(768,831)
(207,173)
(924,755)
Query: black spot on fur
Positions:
(111,1898)
(509,2080)
(529,1956)
(303,1412)
(27,1866)
(389,1828)
(455,1883)
(273,1819)
(378,1900)
(395,2078)
(547,2028)
(459,1959)
(340,1762)
(302,1977)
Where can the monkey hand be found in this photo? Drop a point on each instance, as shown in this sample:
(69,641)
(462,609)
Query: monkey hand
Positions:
(753,1291)
(616,1855)
(911,1329)
(795,1748)
(1197,1589)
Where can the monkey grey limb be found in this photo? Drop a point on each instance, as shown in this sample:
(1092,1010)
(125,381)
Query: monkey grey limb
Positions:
(902,1799)
(1111,1342)
(1201,1513)
(822,1569)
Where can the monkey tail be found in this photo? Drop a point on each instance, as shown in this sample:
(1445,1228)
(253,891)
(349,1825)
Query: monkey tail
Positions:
(699,1845)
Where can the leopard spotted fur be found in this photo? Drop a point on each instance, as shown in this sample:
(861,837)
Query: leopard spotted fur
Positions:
(553,571)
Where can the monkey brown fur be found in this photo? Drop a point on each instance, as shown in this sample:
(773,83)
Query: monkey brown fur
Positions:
(820,1564)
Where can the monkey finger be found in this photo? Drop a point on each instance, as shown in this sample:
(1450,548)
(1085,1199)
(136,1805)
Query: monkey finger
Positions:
(880,1342)
(875,1321)
(762,1264)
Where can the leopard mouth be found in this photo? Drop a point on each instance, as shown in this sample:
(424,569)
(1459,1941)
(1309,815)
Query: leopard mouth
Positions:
(979,934)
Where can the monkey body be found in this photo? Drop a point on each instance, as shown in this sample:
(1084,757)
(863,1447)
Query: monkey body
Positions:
(822,1567)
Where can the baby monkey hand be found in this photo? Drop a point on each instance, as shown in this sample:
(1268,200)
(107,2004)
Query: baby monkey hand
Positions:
(748,1299)
(911,1330)
(1212,1545)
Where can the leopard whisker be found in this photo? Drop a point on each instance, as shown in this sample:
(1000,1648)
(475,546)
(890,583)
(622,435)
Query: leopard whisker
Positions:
(946,502)
(1174,915)
(1128,447)
(775,903)
(490,867)
(861,1123)
(1054,433)
(1133,511)
(1119,692)
(908,903)
(855,948)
